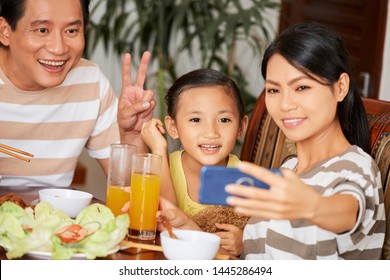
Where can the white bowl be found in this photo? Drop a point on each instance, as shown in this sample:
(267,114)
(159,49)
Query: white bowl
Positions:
(67,200)
(190,245)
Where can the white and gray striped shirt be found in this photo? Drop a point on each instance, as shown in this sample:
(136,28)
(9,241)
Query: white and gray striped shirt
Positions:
(353,172)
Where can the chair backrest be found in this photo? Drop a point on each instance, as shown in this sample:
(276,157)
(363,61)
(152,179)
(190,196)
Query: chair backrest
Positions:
(266,145)
(378,114)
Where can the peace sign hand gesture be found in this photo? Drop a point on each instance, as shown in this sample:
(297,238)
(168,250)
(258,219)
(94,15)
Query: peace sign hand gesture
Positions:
(135,105)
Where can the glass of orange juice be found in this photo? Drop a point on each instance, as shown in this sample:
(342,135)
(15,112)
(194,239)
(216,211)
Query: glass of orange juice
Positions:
(119,176)
(145,194)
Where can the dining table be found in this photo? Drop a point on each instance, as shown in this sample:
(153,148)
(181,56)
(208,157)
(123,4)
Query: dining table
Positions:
(154,252)
(132,250)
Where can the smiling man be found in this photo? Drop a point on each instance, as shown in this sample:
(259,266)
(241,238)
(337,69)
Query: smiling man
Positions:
(53,103)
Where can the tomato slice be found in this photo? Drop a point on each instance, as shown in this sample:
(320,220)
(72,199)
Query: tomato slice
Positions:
(27,229)
(73,233)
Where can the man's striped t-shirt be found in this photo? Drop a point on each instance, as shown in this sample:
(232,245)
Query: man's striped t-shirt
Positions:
(55,125)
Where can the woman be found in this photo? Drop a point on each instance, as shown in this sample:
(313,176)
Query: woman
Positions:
(329,202)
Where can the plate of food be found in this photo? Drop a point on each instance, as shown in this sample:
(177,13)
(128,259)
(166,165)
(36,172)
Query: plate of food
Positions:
(44,233)
(77,256)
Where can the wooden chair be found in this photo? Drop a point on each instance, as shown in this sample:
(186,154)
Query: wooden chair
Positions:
(80,174)
(266,145)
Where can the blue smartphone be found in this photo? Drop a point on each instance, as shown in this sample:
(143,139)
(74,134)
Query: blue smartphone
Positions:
(213,180)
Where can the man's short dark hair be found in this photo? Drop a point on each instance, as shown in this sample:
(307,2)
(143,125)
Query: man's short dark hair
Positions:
(13,11)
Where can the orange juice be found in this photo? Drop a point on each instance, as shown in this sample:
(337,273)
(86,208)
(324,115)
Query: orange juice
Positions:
(116,198)
(145,193)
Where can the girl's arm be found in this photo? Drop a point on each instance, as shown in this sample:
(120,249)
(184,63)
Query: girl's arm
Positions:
(176,217)
(152,134)
(290,199)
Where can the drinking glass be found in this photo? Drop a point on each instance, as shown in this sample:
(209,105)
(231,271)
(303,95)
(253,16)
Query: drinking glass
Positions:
(119,176)
(145,194)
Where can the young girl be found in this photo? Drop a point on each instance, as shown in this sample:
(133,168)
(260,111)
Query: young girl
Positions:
(328,204)
(206,113)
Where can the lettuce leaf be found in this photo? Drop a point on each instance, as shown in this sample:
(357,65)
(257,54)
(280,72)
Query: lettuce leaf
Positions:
(24,230)
(21,231)
(108,236)
(12,219)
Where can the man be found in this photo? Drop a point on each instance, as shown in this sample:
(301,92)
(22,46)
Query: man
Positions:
(53,103)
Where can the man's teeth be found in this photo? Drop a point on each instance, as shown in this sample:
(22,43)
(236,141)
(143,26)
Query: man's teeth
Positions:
(52,63)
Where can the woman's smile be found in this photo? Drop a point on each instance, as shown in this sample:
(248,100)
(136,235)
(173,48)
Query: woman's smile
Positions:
(292,122)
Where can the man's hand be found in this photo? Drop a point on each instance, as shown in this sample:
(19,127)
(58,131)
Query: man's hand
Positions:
(136,105)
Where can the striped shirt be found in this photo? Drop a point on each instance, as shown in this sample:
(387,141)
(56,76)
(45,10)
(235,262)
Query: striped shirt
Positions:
(55,125)
(352,172)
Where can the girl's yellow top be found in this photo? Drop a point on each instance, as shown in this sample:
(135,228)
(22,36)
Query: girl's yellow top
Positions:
(185,202)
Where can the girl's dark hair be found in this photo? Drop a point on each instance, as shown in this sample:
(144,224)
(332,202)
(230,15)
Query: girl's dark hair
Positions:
(202,78)
(13,11)
(317,50)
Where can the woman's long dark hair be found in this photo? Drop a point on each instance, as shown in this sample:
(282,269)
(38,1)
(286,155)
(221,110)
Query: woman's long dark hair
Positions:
(317,50)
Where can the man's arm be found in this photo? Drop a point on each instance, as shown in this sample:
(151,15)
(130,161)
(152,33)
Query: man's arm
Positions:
(103,162)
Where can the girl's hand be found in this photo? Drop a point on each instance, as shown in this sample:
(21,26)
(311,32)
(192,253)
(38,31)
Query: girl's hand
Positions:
(152,135)
(287,198)
(231,238)
(177,218)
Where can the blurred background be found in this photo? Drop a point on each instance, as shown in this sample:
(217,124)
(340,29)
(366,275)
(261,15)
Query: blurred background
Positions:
(227,35)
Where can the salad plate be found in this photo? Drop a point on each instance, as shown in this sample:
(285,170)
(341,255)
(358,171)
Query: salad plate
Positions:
(96,221)
(79,256)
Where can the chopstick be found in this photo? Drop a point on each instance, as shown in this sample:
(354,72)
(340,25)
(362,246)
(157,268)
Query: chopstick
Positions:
(132,244)
(6,150)
(168,226)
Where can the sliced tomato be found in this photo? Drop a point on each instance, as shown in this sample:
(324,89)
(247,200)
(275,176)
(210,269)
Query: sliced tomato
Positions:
(73,233)
(27,229)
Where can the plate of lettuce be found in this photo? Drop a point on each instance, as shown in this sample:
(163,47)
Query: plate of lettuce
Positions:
(77,256)
(43,232)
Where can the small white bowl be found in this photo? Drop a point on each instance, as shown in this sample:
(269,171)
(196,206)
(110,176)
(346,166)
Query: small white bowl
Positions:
(190,245)
(67,200)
